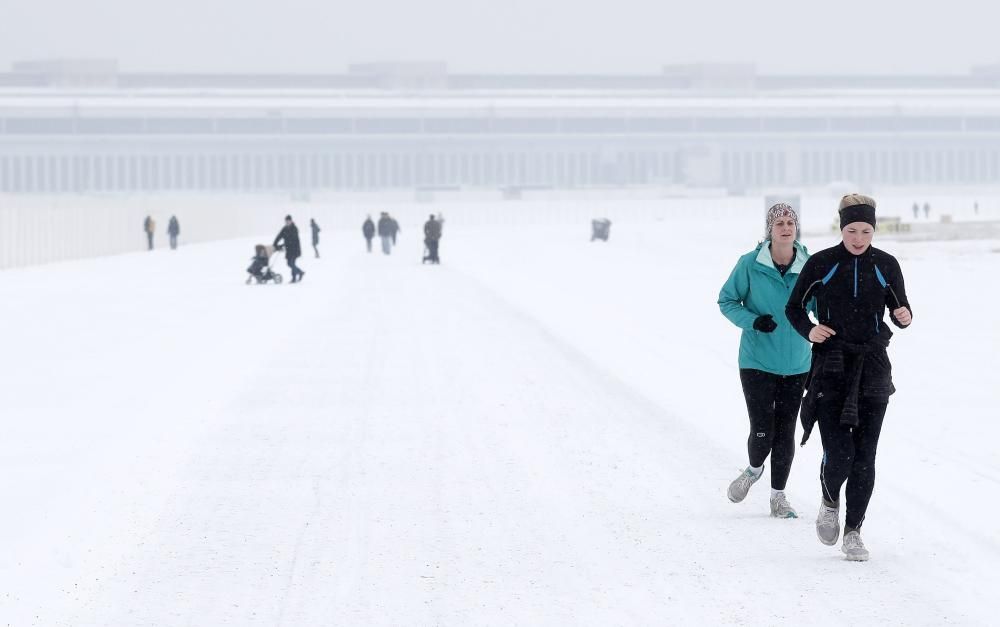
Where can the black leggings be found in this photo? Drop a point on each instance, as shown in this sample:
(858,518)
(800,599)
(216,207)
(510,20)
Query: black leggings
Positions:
(849,454)
(773,403)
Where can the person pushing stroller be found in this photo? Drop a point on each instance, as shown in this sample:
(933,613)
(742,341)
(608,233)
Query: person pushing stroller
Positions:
(432,237)
(288,240)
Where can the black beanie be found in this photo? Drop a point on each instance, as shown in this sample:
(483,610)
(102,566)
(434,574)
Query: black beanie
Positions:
(857,213)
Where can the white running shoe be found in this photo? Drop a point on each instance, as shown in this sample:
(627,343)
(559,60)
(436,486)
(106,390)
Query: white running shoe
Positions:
(828,524)
(780,507)
(741,485)
(853,548)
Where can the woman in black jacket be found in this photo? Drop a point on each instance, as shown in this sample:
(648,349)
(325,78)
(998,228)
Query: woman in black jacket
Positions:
(850,378)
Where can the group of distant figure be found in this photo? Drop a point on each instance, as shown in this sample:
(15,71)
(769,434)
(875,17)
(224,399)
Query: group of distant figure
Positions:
(927,210)
(388,228)
(287,240)
(173,231)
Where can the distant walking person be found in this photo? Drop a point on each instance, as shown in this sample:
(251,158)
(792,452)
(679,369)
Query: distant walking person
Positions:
(773,359)
(395,229)
(173,230)
(288,239)
(852,285)
(315,236)
(149,226)
(927,211)
(916,211)
(432,237)
(385,232)
(368,230)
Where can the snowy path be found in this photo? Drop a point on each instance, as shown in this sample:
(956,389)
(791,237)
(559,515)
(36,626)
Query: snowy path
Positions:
(395,444)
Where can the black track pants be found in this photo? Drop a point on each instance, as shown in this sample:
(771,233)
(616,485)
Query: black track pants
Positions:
(773,404)
(849,454)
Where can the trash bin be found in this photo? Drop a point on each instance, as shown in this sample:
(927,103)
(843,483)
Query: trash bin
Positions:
(600,229)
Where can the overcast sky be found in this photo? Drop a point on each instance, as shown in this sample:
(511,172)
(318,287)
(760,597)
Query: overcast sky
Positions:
(527,36)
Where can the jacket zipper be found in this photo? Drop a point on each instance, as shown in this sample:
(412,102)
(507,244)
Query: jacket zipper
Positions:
(855,278)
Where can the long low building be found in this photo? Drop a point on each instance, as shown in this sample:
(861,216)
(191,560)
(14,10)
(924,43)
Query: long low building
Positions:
(67,129)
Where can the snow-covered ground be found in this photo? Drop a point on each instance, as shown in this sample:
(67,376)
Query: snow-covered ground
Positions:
(539,431)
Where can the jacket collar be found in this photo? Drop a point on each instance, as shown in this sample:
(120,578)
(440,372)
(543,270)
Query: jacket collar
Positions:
(801,254)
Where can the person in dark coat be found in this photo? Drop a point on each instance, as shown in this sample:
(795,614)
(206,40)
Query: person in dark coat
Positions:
(850,286)
(315,235)
(288,239)
(368,230)
(432,237)
(149,226)
(395,228)
(385,232)
(173,230)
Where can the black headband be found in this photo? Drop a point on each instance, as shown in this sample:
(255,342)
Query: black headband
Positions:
(857,213)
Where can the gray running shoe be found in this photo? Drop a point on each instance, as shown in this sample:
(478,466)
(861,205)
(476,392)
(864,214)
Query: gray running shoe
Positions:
(828,524)
(741,485)
(853,548)
(780,507)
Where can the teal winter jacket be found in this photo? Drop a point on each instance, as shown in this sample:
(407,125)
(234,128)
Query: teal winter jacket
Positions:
(755,288)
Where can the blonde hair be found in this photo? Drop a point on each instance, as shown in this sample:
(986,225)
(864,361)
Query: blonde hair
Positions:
(855,199)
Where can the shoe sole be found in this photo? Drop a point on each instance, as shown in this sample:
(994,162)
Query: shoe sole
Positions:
(831,542)
(789,515)
(854,558)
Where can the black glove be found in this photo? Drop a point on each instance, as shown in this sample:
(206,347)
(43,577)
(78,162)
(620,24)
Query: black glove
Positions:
(765,323)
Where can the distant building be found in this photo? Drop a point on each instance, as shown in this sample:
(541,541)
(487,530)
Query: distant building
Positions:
(66,72)
(82,126)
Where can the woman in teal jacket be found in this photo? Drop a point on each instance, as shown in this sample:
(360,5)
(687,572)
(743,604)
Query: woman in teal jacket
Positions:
(774,358)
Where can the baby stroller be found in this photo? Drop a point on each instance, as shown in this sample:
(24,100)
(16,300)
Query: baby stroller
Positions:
(430,252)
(260,269)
